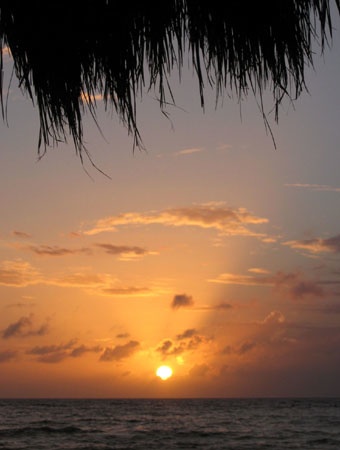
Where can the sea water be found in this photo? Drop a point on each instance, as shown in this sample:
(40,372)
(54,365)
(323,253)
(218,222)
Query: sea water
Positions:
(170,424)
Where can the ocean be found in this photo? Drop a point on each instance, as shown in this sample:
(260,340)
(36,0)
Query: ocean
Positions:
(166,424)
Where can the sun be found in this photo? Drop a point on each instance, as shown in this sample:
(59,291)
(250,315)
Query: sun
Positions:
(164,372)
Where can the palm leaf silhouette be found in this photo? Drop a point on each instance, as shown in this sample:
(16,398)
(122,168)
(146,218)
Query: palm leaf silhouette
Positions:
(66,53)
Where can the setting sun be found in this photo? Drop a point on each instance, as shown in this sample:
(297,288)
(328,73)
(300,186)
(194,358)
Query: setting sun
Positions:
(164,372)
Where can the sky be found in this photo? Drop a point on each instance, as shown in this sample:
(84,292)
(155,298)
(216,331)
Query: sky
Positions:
(211,251)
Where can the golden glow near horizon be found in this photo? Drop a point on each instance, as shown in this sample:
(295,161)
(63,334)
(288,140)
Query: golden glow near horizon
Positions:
(211,252)
(164,372)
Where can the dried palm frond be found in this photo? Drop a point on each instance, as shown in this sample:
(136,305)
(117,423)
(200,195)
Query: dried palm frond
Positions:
(67,53)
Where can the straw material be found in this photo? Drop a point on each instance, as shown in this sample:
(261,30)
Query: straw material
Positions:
(67,53)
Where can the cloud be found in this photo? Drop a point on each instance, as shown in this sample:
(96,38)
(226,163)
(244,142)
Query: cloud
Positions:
(122,335)
(241,349)
(24,328)
(18,273)
(20,305)
(90,98)
(199,370)
(21,234)
(219,307)
(245,347)
(47,250)
(314,187)
(274,317)
(82,349)
(293,282)
(218,216)
(317,245)
(258,270)
(168,348)
(182,301)
(189,151)
(82,279)
(52,354)
(130,291)
(187,341)
(186,334)
(7,355)
(123,250)
(120,351)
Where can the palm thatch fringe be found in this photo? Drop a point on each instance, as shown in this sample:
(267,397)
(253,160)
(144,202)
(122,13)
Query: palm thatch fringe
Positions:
(65,53)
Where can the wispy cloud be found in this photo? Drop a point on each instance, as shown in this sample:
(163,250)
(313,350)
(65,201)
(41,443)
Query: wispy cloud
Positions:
(48,250)
(125,252)
(258,270)
(199,370)
(130,291)
(91,98)
(294,282)
(226,220)
(317,245)
(218,307)
(7,355)
(21,234)
(82,349)
(314,187)
(189,151)
(18,273)
(52,354)
(24,327)
(85,279)
(274,317)
(122,335)
(120,352)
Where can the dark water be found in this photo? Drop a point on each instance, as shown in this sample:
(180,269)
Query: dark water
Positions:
(170,424)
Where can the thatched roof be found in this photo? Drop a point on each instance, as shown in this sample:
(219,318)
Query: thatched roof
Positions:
(65,53)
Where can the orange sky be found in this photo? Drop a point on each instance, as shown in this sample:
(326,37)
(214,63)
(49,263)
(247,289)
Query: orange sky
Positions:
(210,252)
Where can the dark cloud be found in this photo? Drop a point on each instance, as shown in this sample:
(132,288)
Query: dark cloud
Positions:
(188,340)
(168,348)
(222,306)
(130,290)
(186,334)
(182,301)
(194,342)
(50,349)
(7,355)
(47,250)
(24,328)
(122,249)
(79,351)
(303,288)
(245,347)
(164,347)
(227,350)
(122,335)
(21,234)
(317,245)
(58,353)
(219,307)
(241,349)
(120,351)
(200,370)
